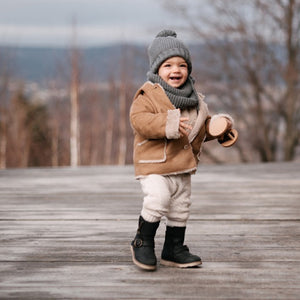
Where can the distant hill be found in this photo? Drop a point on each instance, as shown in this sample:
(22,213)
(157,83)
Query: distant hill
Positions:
(41,64)
(99,63)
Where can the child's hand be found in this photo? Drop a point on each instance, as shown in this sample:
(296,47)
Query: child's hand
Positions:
(183,127)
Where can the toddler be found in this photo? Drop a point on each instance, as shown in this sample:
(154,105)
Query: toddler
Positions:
(169,119)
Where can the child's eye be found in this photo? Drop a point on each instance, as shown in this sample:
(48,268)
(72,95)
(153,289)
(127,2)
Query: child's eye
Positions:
(167,65)
(183,66)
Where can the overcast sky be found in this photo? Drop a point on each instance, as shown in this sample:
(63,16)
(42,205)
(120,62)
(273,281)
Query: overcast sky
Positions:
(100,22)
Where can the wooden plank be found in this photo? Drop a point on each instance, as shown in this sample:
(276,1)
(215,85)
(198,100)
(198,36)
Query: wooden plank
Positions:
(121,281)
(102,241)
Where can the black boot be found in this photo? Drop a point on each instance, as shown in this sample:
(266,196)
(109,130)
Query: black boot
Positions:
(142,247)
(174,253)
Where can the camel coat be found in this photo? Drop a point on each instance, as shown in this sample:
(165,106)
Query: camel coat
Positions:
(158,146)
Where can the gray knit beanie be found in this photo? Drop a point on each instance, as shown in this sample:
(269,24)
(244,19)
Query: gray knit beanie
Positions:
(164,46)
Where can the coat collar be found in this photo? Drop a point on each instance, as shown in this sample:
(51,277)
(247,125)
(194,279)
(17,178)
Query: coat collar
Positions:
(155,90)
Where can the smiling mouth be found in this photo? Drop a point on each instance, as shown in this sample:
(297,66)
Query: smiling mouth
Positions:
(175,78)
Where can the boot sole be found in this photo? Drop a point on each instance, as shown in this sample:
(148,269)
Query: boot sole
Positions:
(139,264)
(178,265)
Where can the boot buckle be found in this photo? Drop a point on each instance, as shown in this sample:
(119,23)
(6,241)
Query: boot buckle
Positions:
(138,243)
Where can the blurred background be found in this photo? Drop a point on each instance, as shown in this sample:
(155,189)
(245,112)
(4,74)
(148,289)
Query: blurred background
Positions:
(69,70)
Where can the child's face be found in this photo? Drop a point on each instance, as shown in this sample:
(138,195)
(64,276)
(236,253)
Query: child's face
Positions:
(174,71)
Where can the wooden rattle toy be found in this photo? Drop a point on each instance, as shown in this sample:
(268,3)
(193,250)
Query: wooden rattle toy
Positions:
(221,128)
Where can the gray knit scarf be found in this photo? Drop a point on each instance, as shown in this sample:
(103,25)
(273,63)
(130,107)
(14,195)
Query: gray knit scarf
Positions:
(184,97)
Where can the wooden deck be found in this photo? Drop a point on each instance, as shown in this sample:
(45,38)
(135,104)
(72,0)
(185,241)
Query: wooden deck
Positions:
(65,234)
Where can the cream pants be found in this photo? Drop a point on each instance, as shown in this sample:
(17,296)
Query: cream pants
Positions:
(168,196)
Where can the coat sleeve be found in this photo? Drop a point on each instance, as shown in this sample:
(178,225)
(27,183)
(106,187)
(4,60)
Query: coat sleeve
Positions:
(146,120)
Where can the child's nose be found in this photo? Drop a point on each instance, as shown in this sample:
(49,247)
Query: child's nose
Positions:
(176,68)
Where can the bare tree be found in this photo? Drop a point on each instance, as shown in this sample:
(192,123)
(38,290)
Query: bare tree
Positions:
(55,120)
(5,77)
(110,116)
(74,98)
(122,125)
(125,93)
(253,59)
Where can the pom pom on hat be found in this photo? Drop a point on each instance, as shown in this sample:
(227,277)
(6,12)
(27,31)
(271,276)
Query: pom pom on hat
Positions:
(164,46)
(167,32)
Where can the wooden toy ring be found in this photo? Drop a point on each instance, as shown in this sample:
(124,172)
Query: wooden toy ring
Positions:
(218,126)
(229,138)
